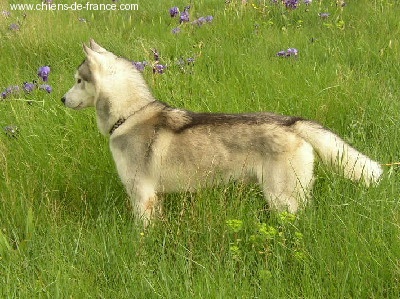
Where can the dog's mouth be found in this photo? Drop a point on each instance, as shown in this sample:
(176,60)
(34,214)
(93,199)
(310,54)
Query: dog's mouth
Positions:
(78,107)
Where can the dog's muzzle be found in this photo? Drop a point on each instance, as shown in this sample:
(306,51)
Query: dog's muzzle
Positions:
(63,100)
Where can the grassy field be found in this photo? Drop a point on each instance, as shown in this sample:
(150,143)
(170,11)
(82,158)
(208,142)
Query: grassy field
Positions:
(65,227)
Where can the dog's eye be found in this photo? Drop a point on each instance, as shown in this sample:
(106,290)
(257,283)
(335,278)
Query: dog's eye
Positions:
(79,81)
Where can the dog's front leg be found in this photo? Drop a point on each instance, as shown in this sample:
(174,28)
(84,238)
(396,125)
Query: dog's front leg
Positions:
(145,205)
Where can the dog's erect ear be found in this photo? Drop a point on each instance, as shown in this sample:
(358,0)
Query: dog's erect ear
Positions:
(94,58)
(96,47)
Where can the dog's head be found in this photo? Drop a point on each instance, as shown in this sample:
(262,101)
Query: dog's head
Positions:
(97,64)
(109,83)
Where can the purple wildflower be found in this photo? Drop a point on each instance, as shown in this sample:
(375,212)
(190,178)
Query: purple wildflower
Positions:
(176,30)
(307,2)
(156,55)
(46,87)
(159,69)
(28,86)
(209,19)
(183,62)
(281,53)
(200,21)
(292,52)
(13,89)
(174,11)
(289,52)
(292,4)
(139,65)
(324,15)
(14,27)
(43,72)
(10,90)
(5,13)
(184,17)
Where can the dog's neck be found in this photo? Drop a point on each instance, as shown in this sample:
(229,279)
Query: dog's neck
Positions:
(117,102)
(121,121)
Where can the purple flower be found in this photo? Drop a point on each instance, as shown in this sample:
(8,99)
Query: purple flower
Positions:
(281,53)
(46,87)
(13,89)
(324,15)
(289,52)
(10,90)
(183,62)
(209,19)
(184,17)
(28,86)
(5,13)
(307,2)
(43,72)
(200,21)
(159,69)
(156,55)
(139,65)
(176,30)
(292,4)
(174,11)
(292,52)
(14,27)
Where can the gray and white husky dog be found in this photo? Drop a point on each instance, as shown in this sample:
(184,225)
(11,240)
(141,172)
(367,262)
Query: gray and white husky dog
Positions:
(160,149)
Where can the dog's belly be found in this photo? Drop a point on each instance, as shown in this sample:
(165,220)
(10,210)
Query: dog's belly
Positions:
(184,177)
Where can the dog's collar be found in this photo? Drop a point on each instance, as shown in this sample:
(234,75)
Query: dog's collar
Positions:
(122,120)
(117,124)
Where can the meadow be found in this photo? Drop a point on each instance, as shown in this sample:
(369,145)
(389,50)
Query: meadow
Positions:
(66,229)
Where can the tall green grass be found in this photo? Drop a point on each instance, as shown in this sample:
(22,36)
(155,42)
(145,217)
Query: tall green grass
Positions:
(65,226)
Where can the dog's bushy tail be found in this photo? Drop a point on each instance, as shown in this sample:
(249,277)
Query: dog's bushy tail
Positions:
(336,153)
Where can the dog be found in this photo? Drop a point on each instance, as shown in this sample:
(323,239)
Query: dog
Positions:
(159,149)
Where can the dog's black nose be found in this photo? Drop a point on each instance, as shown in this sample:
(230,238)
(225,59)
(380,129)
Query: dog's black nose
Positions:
(63,100)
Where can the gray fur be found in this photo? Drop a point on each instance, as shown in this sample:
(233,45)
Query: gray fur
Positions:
(85,72)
